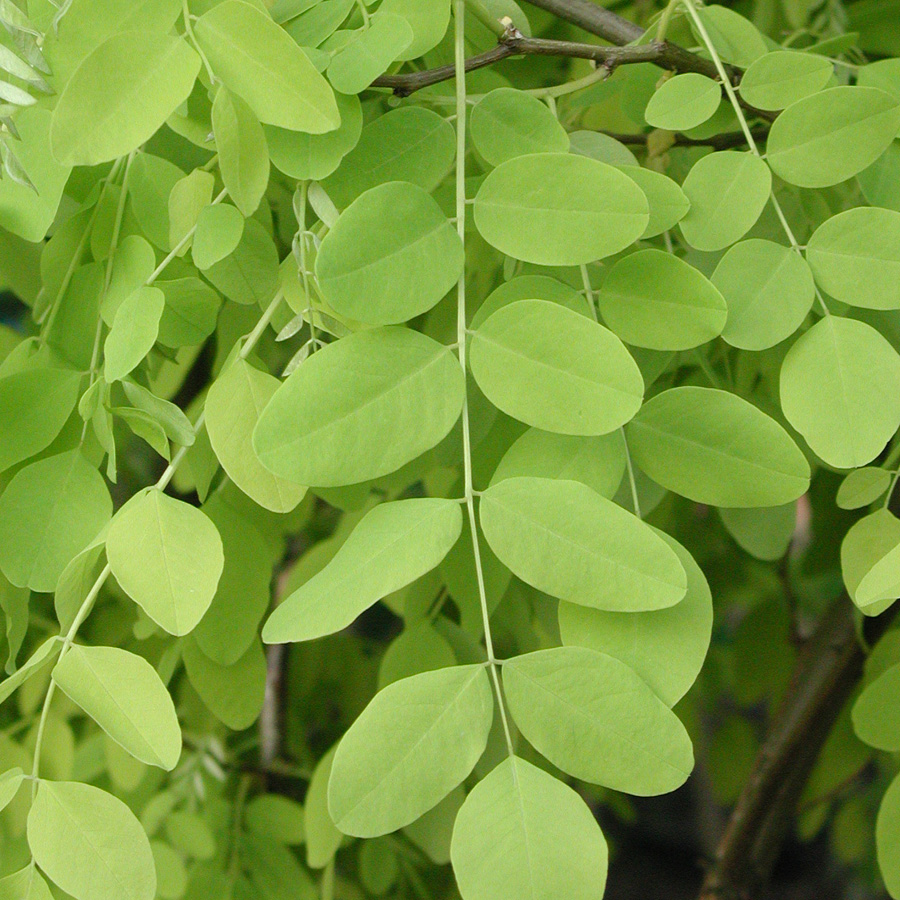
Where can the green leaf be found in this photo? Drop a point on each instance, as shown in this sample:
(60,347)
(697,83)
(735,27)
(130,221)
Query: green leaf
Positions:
(418,648)
(50,510)
(369,52)
(391,256)
(151,179)
(428,21)
(192,308)
(736,40)
(234,694)
(416,741)
(568,541)
(123,694)
(132,265)
(120,96)
(262,64)
(243,594)
(598,462)
(765,533)
(34,406)
(781,78)
(90,844)
(249,275)
(872,548)
(530,287)
(189,197)
(243,154)
(312,157)
(322,428)
(875,713)
(668,202)
(852,365)
(593,717)
(25,211)
(683,102)
(855,257)
(167,556)
(133,333)
(665,647)
(277,818)
(233,407)
(322,837)
(727,192)
(887,838)
(521,833)
(393,545)
(558,209)
(555,369)
(656,300)
(507,123)
(407,144)
(41,657)
(26,884)
(769,290)
(714,447)
(862,487)
(830,136)
(10,782)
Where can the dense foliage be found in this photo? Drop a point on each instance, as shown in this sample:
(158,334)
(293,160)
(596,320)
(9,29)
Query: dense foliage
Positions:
(371,436)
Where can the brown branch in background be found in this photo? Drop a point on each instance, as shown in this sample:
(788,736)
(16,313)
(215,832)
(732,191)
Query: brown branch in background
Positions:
(605,24)
(515,44)
(828,669)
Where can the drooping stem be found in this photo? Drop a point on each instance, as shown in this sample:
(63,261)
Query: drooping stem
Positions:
(459,8)
(161,484)
(745,128)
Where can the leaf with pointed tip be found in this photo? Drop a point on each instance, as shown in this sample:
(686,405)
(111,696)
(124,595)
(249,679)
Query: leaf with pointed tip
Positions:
(393,545)
(125,696)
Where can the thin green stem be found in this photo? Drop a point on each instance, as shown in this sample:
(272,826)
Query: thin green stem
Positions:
(665,20)
(484,15)
(189,30)
(181,244)
(107,278)
(630,467)
(459,8)
(748,134)
(76,256)
(84,610)
(588,290)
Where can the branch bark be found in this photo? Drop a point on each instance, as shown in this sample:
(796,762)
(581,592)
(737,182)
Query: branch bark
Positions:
(829,667)
(515,44)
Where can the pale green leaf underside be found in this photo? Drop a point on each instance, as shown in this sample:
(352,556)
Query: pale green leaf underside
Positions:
(393,545)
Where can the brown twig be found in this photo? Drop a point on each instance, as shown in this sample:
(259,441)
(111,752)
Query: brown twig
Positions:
(828,669)
(515,44)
